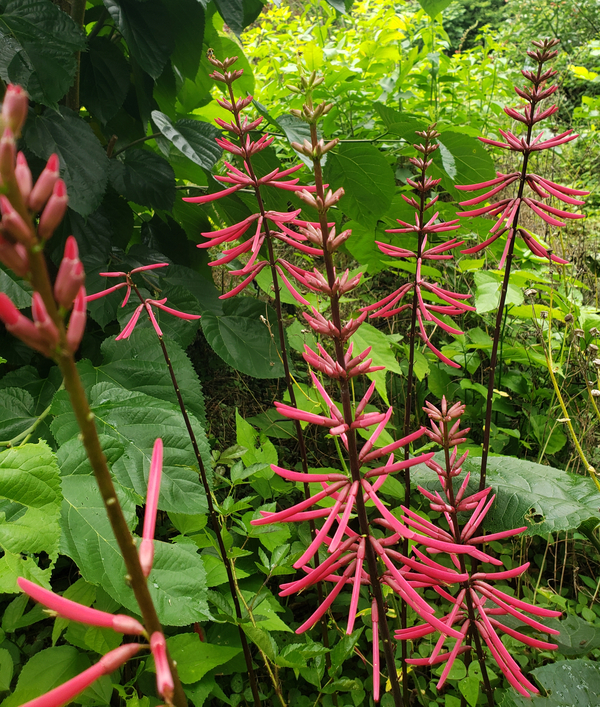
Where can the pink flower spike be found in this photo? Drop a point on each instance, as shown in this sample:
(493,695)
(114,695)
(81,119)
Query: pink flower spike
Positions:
(45,184)
(164,679)
(77,321)
(66,692)
(146,551)
(54,210)
(77,612)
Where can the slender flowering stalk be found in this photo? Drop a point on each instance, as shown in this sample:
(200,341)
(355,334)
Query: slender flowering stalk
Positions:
(59,315)
(507,210)
(146,550)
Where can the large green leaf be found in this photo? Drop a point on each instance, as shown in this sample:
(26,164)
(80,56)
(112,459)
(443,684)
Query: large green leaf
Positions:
(381,353)
(194,658)
(138,364)
(577,637)
(434,7)
(187,21)
(243,340)
(104,78)
(544,499)
(570,683)
(83,162)
(16,413)
(30,511)
(16,288)
(136,420)
(46,670)
(177,579)
(232,12)
(461,159)
(194,138)
(40,42)
(147,30)
(144,177)
(367,180)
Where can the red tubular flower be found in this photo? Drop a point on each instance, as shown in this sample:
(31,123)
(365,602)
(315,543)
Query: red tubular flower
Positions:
(77,321)
(77,612)
(14,108)
(66,692)
(71,275)
(42,189)
(54,210)
(164,680)
(146,549)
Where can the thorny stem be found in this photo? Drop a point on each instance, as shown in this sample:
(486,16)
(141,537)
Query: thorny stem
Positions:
(89,436)
(282,345)
(214,521)
(351,435)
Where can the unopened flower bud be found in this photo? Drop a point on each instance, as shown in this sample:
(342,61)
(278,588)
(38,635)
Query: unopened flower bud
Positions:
(14,256)
(77,322)
(43,322)
(164,679)
(20,326)
(71,275)
(568,318)
(23,176)
(45,184)
(14,108)
(7,156)
(13,224)
(54,210)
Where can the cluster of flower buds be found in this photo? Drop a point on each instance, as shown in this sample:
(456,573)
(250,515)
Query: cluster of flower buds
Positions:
(440,300)
(146,304)
(476,603)
(20,201)
(507,209)
(57,605)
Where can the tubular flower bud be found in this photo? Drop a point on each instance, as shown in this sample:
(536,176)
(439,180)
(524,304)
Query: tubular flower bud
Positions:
(71,275)
(7,155)
(23,176)
(77,612)
(54,210)
(14,108)
(42,189)
(13,224)
(77,321)
(146,551)
(22,327)
(164,679)
(43,322)
(14,256)
(66,692)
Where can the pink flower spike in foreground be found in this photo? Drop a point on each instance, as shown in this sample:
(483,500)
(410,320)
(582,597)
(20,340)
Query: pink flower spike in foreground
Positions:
(77,612)
(65,693)
(146,551)
(164,679)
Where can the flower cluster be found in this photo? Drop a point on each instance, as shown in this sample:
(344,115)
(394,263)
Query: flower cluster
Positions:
(507,209)
(57,605)
(476,604)
(20,204)
(439,300)
(146,304)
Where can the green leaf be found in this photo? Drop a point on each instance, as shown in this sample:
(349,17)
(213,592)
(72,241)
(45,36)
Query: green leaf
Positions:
(177,579)
(104,79)
(381,353)
(194,138)
(469,688)
(187,20)
(138,364)
(568,682)
(232,12)
(30,483)
(16,412)
(6,670)
(544,499)
(548,433)
(367,179)
(577,637)
(16,288)
(83,161)
(262,639)
(146,28)
(434,7)
(46,670)
(40,44)
(242,340)
(343,649)
(194,658)
(145,178)
(136,420)
(461,159)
